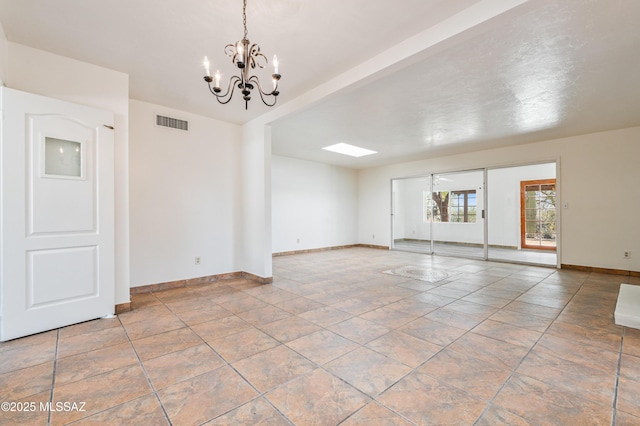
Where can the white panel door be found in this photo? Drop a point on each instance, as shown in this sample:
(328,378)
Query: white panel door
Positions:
(56,214)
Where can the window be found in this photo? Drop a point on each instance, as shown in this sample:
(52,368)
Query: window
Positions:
(451,206)
(463,206)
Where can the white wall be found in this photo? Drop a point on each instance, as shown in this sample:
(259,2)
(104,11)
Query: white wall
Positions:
(58,77)
(185,196)
(599,177)
(4,56)
(313,205)
(256,199)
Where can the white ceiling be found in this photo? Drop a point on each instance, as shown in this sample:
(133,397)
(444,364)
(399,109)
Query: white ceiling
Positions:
(546,69)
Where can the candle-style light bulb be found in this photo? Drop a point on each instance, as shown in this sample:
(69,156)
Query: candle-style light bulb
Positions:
(240,50)
(206,66)
(275,64)
(217,78)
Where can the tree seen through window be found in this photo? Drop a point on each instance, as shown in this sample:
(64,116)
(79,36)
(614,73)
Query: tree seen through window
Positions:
(451,206)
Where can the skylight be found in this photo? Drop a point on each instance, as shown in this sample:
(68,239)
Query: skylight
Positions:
(346,149)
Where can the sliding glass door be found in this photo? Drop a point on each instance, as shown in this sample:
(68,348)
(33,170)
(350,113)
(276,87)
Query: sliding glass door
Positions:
(521,206)
(411,229)
(511,218)
(440,213)
(456,213)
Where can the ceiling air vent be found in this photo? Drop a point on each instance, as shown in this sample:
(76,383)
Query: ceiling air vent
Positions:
(173,123)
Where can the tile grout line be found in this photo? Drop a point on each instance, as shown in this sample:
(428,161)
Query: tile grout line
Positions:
(441,350)
(615,393)
(415,369)
(317,365)
(584,280)
(364,345)
(228,364)
(450,343)
(585,285)
(513,372)
(53,378)
(146,374)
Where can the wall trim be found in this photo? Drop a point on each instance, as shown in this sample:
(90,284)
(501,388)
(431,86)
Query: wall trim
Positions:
(317,250)
(123,307)
(476,245)
(256,278)
(600,270)
(126,307)
(374,246)
(562,266)
(209,279)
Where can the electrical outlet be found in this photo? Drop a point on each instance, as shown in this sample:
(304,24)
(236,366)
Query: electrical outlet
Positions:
(197,260)
(627,255)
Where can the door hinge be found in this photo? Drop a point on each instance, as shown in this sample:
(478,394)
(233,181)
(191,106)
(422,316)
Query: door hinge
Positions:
(483,213)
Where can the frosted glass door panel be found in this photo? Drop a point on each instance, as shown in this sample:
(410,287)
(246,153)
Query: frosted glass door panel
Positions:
(62,158)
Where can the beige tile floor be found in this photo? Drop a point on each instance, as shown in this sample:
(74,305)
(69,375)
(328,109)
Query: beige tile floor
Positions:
(335,341)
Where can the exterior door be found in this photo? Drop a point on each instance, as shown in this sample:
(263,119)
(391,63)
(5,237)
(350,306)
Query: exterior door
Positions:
(538,214)
(57,214)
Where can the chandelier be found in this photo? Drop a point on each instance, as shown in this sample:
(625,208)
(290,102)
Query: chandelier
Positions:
(244,56)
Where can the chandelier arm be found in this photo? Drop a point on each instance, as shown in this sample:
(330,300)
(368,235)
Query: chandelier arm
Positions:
(262,93)
(275,99)
(230,89)
(230,51)
(256,55)
(274,92)
(217,93)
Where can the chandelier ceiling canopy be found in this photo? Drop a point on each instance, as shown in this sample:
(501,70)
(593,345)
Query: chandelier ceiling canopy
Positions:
(245,56)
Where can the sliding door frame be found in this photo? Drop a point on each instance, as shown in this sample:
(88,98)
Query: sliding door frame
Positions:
(486,210)
(393,208)
(559,203)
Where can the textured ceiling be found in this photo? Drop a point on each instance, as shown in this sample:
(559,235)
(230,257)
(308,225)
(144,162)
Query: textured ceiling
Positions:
(558,69)
(161,44)
(546,69)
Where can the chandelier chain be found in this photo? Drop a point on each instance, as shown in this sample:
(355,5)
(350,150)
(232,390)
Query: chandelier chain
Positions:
(244,17)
